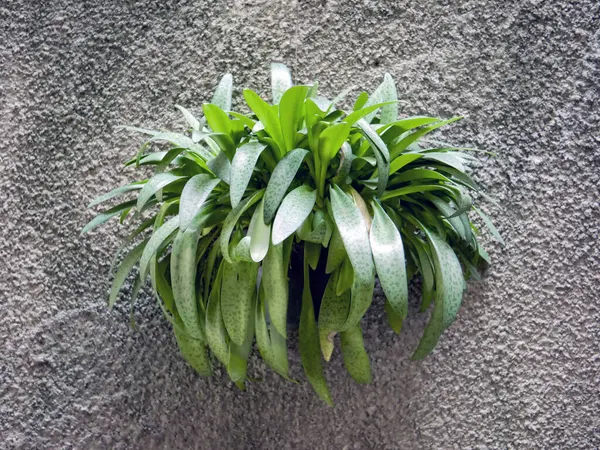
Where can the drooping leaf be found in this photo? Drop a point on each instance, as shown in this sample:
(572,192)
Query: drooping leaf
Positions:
(388,254)
(294,209)
(490,225)
(271,345)
(241,169)
(353,232)
(193,197)
(276,286)
(336,253)
(403,160)
(216,335)
(332,314)
(381,154)
(128,262)
(404,143)
(105,216)
(239,353)
(448,292)
(310,352)
(395,320)
(232,219)
(280,180)
(189,118)
(237,292)
(157,240)
(355,356)
(194,352)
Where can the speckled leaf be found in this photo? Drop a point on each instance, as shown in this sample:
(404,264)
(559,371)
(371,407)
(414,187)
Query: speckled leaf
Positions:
(385,92)
(128,262)
(291,114)
(346,277)
(394,319)
(232,219)
(427,275)
(276,286)
(220,166)
(242,166)
(332,314)
(381,154)
(216,335)
(294,209)
(194,352)
(336,252)
(239,286)
(280,180)
(448,293)
(183,280)
(222,95)
(310,352)
(271,345)
(355,356)
(193,196)
(116,192)
(238,354)
(312,252)
(346,158)
(156,241)
(281,80)
(448,211)
(388,254)
(189,118)
(353,231)
(105,216)
(154,184)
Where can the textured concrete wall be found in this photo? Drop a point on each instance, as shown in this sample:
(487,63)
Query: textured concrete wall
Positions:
(519,369)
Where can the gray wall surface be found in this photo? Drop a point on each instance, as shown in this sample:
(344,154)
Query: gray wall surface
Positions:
(519,369)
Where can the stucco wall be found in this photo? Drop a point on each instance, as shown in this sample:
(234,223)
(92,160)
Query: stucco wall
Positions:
(519,369)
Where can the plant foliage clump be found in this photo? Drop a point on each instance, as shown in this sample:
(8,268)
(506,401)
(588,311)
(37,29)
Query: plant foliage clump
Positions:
(232,195)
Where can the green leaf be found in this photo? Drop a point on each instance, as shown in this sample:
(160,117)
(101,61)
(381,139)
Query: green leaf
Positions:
(189,118)
(217,119)
(448,212)
(267,115)
(312,253)
(291,114)
(346,277)
(237,292)
(242,166)
(260,234)
(448,293)
(355,356)
(381,154)
(490,225)
(385,92)
(220,166)
(403,160)
(216,335)
(158,238)
(128,262)
(449,159)
(294,209)
(232,219)
(357,115)
(332,314)
(336,253)
(223,92)
(420,175)
(280,180)
(116,192)
(400,146)
(361,100)
(271,345)
(388,254)
(310,352)
(105,216)
(183,276)
(346,158)
(194,352)
(355,237)
(238,354)
(154,184)
(414,189)
(194,196)
(281,81)
(395,320)
(331,139)
(276,286)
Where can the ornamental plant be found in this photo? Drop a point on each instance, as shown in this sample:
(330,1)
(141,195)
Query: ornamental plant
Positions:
(363,190)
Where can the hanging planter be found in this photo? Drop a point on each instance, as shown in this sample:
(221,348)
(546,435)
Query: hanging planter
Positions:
(299,180)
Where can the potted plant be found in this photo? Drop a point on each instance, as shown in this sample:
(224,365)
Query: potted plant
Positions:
(361,190)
